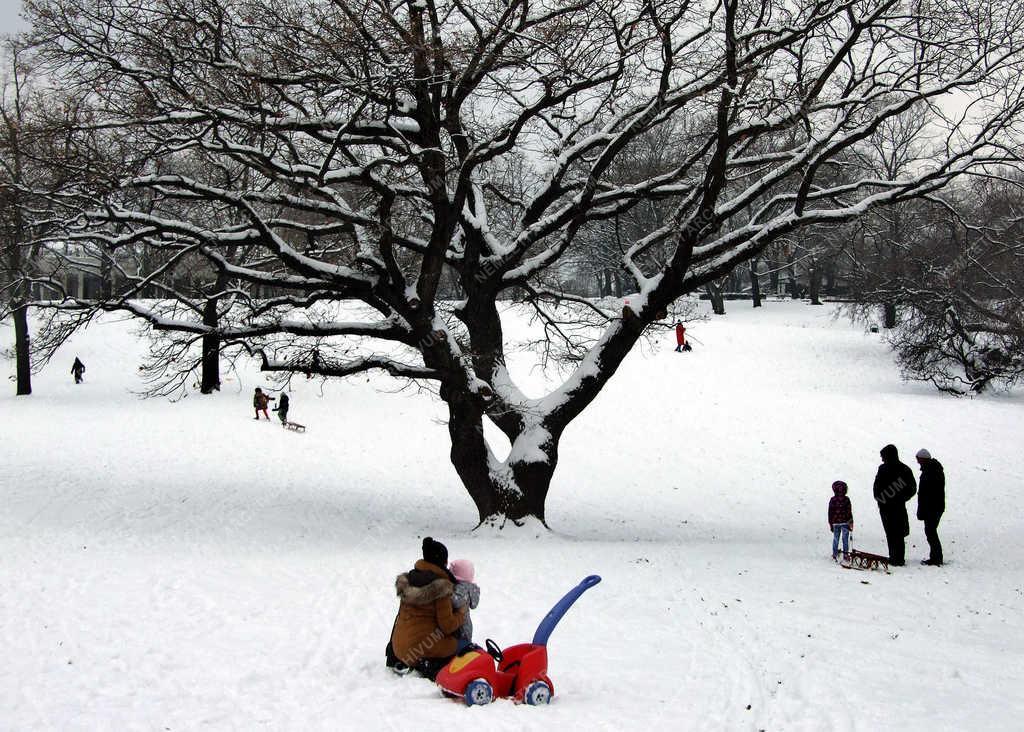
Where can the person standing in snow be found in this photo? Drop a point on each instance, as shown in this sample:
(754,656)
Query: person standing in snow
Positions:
(681,344)
(281,409)
(425,635)
(77,369)
(840,519)
(894,486)
(465,595)
(260,401)
(931,503)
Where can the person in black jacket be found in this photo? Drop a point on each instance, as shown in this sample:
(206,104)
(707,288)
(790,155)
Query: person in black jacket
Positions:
(931,502)
(894,486)
(77,369)
(282,409)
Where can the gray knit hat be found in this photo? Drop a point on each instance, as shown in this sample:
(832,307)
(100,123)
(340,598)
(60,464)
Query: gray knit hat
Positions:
(923,454)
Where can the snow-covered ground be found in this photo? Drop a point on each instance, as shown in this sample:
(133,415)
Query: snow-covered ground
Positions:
(170,566)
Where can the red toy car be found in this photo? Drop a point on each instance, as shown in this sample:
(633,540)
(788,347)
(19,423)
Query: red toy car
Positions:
(519,671)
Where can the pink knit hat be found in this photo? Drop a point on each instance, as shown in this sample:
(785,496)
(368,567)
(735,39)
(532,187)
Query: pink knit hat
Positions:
(462,569)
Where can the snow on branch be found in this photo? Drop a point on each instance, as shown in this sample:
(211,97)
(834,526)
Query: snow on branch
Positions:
(326,367)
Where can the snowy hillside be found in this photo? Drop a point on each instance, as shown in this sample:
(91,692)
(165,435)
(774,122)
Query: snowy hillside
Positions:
(180,566)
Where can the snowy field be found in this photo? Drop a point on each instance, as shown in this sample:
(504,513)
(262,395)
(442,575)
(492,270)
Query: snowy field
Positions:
(174,566)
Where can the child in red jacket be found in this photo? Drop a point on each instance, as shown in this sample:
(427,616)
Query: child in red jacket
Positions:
(260,402)
(681,344)
(840,519)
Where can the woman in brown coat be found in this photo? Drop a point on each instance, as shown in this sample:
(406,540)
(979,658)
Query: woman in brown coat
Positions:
(426,629)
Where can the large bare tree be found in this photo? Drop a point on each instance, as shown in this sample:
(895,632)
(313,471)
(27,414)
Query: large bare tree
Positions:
(42,173)
(960,290)
(15,205)
(392,143)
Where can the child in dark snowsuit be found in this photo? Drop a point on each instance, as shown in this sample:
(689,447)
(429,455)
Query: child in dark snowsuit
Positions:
(840,518)
(260,402)
(466,594)
(282,409)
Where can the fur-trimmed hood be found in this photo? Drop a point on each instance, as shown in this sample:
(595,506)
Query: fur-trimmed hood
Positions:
(424,585)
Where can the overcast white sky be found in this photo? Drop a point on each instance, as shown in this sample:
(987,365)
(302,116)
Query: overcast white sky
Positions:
(9,20)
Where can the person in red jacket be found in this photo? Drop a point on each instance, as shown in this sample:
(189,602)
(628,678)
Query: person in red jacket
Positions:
(681,344)
(260,402)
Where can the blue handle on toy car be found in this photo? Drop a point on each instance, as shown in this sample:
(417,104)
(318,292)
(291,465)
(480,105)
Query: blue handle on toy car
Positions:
(540,638)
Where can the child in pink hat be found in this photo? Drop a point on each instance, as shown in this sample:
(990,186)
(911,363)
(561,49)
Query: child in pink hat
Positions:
(467,595)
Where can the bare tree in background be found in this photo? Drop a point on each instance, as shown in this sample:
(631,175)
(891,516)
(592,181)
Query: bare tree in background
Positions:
(42,173)
(190,286)
(962,291)
(896,147)
(14,202)
(393,128)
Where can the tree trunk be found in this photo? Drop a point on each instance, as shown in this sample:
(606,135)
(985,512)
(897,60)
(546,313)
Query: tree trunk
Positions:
(755,285)
(210,376)
(734,282)
(106,278)
(512,490)
(21,344)
(717,301)
(889,315)
(469,453)
(533,479)
(773,277)
(814,277)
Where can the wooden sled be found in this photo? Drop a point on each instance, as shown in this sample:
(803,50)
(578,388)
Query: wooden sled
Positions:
(295,426)
(864,560)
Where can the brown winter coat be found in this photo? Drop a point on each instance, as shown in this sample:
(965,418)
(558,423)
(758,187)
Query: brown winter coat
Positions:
(427,624)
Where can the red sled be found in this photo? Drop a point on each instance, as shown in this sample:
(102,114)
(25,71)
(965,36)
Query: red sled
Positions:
(519,672)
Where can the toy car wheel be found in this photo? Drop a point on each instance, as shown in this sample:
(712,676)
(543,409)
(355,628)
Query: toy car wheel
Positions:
(537,693)
(478,691)
(401,669)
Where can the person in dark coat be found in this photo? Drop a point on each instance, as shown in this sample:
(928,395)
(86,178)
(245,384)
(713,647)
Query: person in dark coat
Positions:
(931,503)
(281,409)
(425,633)
(77,369)
(894,486)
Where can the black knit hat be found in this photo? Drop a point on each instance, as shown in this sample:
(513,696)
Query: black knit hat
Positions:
(435,552)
